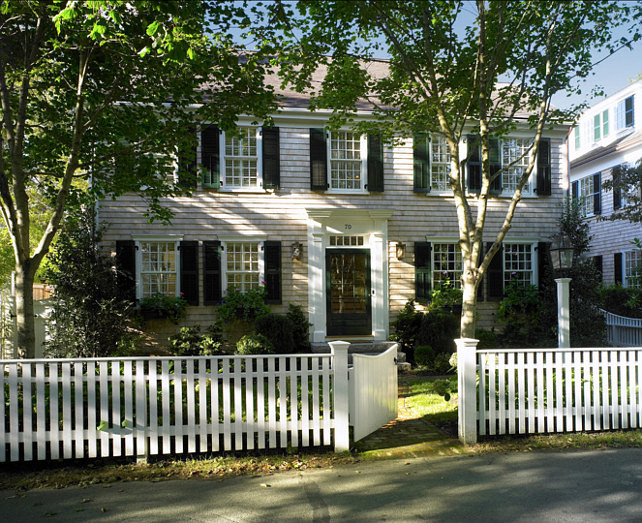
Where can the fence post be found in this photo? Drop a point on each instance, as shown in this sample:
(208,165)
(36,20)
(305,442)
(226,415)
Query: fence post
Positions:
(341,395)
(467,389)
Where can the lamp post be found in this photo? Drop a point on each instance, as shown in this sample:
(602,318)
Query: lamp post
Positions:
(562,258)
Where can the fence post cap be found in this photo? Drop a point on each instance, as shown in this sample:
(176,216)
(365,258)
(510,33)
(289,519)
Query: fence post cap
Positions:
(466,342)
(339,346)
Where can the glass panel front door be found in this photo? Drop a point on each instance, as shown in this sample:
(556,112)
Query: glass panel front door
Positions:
(348,292)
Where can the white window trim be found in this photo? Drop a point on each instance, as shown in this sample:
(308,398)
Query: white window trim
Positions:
(225,187)
(364,165)
(622,103)
(226,240)
(587,197)
(176,238)
(450,241)
(626,278)
(534,258)
(532,179)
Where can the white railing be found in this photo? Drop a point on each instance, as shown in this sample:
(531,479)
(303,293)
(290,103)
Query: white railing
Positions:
(108,407)
(6,323)
(622,331)
(525,391)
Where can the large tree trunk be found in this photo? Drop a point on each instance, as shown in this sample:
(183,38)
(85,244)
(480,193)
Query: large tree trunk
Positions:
(469,305)
(25,323)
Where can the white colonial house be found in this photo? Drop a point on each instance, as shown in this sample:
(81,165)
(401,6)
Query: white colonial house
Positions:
(608,135)
(344,225)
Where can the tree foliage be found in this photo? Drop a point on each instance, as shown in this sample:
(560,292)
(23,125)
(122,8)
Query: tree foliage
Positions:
(455,68)
(106,91)
(88,318)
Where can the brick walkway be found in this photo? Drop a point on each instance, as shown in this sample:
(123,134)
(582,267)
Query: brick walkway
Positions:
(408,435)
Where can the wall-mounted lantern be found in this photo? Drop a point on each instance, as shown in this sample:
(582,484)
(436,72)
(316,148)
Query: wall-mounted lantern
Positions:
(296,250)
(401,250)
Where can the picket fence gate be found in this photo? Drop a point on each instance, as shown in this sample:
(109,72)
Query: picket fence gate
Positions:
(110,407)
(526,391)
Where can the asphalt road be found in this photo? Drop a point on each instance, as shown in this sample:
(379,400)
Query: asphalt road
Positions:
(582,486)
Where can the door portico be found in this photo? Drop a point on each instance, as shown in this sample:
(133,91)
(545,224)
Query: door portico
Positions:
(349,245)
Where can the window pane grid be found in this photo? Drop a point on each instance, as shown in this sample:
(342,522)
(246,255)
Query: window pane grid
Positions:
(440,164)
(241,159)
(158,271)
(243,269)
(447,265)
(585,195)
(514,150)
(345,160)
(518,264)
(346,241)
(633,268)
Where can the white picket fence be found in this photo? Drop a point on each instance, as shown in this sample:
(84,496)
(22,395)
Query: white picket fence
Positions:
(622,331)
(144,406)
(526,391)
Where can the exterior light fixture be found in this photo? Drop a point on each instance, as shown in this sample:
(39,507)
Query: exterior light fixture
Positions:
(296,250)
(401,250)
(562,253)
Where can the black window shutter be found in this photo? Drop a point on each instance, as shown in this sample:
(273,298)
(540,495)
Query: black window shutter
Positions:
(375,163)
(575,190)
(212,272)
(544,167)
(628,111)
(271,158)
(272,258)
(423,270)
(210,157)
(187,161)
(421,162)
(597,194)
(597,261)
(495,273)
(318,160)
(495,166)
(543,261)
(189,271)
(126,269)
(617,267)
(617,187)
(474,164)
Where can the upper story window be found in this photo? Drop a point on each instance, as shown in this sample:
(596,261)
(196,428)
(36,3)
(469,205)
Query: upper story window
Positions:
(241,159)
(514,161)
(345,162)
(347,165)
(576,133)
(587,191)
(625,113)
(601,125)
(431,157)
(440,164)
(248,160)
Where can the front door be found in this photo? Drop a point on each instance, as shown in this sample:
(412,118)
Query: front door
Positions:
(349,308)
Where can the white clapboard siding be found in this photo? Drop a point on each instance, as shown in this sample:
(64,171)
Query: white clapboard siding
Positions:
(141,406)
(558,390)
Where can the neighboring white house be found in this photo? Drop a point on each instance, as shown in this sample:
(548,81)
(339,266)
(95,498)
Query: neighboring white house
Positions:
(342,224)
(607,135)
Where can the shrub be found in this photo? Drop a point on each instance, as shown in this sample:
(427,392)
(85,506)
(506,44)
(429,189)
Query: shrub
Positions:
(189,341)
(406,327)
(254,344)
(487,339)
(439,330)
(279,330)
(521,311)
(162,306)
(441,364)
(424,355)
(300,328)
(625,301)
(242,305)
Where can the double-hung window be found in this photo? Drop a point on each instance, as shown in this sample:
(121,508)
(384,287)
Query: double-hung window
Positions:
(587,191)
(347,153)
(633,268)
(578,142)
(241,159)
(447,265)
(440,164)
(158,268)
(600,125)
(518,263)
(625,113)
(514,161)
(243,265)
(431,158)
